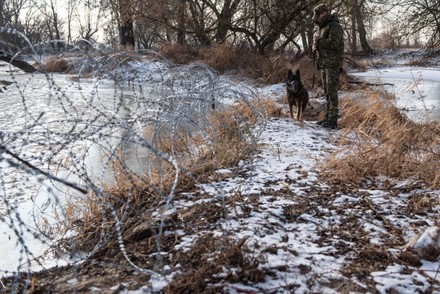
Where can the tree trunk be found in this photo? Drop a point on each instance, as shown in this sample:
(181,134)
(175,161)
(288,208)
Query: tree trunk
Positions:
(353,31)
(125,23)
(198,23)
(126,34)
(224,20)
(55,21)
(181,26)
(2,4)
(361,27)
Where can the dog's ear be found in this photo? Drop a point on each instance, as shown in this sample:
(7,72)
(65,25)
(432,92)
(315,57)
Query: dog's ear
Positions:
(297,73)
(289,74)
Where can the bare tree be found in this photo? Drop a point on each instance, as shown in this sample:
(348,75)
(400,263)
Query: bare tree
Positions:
(181,22)
(34,27)
(124,11)
(89,20)
(53,22)
(417,17)
(265,23)
(354,16)
(423,16)
(72,6)
(202,21)
(11,12)
(224,15)
(359,16)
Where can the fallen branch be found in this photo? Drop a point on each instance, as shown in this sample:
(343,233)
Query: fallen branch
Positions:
(38,170)
(370,84)
(21,64)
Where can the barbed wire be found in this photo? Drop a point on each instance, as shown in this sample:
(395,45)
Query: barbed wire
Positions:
(65,138)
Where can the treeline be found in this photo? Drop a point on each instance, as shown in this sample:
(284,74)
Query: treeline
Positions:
(262,26)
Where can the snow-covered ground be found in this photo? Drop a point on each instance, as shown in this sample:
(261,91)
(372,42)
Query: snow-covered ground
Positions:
(306,235)
(317,238)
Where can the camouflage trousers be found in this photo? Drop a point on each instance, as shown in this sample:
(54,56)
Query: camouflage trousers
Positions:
(330,82)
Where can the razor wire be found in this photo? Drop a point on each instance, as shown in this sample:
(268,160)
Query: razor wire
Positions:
(61,136)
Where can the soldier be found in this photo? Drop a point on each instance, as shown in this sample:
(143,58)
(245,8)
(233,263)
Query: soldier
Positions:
(329,45)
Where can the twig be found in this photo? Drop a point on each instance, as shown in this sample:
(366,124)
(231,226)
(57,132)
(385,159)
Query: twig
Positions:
(436,273)
(48,175)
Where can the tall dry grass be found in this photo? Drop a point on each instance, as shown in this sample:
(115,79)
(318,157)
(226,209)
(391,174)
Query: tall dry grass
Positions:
(270,68)
(180,54)
(56,64)
(228,59)
(381,141)
(222,142)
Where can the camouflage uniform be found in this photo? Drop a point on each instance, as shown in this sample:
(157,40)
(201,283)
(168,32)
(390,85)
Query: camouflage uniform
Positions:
(330,49)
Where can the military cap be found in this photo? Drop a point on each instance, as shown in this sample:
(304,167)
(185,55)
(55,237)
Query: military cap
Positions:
(319,9)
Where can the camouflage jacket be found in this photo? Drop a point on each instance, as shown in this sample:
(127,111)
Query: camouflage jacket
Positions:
(330,43)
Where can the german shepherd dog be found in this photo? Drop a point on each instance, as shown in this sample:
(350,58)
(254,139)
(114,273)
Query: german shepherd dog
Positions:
(296,94)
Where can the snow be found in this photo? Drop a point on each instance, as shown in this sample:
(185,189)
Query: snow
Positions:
(416,88)
(430,237)
(289,159)
(309,250)
(408,73)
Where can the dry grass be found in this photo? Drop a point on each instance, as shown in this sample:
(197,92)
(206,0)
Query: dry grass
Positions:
(361,64)
(82,64)
(205,263)
(221,57)
(222,143)
(275,68)
(180,54)
(424,62)
(384,142)
(56,64)
(243,62)
(273,108)
(227,59)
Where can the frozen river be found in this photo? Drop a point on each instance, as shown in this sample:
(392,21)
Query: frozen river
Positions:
(417,89)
